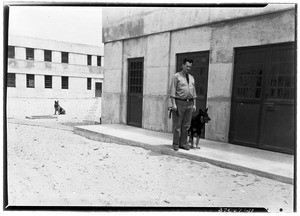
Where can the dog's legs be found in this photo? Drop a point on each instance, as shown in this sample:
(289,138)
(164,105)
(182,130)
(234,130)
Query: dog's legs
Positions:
(197,141)
(192,139)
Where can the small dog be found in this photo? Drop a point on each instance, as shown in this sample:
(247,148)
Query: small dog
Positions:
(197,125)
(58,109)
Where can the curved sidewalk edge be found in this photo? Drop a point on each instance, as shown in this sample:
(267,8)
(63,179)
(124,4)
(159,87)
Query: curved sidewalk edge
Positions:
(163,146)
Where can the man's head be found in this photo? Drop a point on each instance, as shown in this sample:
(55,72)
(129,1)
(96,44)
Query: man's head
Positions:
(187,65)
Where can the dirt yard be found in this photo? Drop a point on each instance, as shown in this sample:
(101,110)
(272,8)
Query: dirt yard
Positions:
(51,167)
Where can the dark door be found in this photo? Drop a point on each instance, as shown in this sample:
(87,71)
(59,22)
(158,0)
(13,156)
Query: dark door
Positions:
(135,92)
(200,74)
(98,89)
(262,113)
(278,108)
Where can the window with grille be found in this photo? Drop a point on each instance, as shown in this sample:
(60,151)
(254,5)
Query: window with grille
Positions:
(89,83)
(11,80)
(135,77)
(64,82)
(99,61)
(29,53)
(281,84)
(48,81)
(64,57)
(11,52)
(48,55)
(249,81)
(89,60)
(30,80)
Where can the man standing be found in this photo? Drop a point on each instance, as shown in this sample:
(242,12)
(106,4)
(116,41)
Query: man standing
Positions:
(183,98)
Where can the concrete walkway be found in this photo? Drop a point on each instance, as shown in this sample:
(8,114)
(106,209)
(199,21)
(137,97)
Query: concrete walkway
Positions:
(263,163)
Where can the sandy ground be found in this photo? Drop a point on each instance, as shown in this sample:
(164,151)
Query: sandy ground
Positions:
(50,166)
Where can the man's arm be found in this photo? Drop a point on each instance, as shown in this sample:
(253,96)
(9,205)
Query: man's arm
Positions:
(172,92)
(194,96)
(194,107)
(174,106)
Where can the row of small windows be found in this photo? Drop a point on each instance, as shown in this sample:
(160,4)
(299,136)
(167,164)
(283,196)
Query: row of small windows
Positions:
(48,56)
(30,83)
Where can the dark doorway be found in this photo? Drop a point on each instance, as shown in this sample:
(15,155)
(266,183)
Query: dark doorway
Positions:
(98,89)
(135,92)
(263,98)
(200,74)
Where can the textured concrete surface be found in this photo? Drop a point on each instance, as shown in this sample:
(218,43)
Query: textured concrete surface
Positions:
(268,164)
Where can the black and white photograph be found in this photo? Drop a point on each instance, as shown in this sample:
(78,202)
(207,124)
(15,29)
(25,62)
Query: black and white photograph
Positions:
(149,107)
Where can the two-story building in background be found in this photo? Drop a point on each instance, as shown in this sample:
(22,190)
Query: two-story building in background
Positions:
(41,71)
(244,69)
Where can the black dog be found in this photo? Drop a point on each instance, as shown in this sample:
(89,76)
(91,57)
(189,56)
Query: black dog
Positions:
(197,125)
(58,109)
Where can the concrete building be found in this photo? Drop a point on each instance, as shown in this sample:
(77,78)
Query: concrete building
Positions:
(243,67)
(41,71)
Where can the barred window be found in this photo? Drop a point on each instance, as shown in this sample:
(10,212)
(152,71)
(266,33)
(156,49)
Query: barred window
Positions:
(48,81)
(11,80)
(64,57)
(48,55)
(29,53)
(99,61)
(89,60)
(64,82)
(30,80)
(89,83)
(11,52)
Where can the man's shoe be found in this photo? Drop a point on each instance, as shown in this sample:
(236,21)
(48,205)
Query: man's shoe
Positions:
(176,147)
(185,147)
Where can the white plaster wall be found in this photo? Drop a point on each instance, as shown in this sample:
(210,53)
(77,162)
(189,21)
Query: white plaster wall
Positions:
(56,56)
(154,113)
(157,20)
(94,60)
(189,40)
(218,100)
(111,105)
(273,28)
(157,65)
(77,59)
(50,68)
(38,43)
(156,81)
(38,55)
(56,84)
(112,85)
(20,53)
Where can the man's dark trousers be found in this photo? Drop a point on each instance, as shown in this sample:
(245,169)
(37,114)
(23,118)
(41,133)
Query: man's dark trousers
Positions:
(181,122)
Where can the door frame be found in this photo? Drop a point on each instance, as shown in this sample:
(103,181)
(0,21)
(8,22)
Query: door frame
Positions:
(140,124)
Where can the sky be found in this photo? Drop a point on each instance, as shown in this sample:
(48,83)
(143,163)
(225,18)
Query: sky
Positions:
(72,24)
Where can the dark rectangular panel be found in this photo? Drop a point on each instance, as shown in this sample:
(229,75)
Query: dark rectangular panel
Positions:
(135,92)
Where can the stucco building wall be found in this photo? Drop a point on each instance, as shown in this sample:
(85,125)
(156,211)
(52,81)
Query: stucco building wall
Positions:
(159,34)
